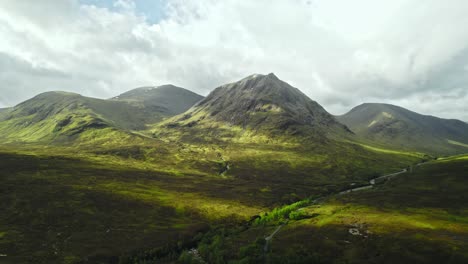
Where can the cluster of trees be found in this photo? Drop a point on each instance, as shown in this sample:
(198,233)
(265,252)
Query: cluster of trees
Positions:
(214,251)
(285,212)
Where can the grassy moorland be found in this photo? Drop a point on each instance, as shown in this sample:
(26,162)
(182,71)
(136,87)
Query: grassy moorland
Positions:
(64,210)
(103,202)
(417,217)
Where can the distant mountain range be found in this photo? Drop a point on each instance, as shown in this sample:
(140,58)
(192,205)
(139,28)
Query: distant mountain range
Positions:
(400,128)
(257,104)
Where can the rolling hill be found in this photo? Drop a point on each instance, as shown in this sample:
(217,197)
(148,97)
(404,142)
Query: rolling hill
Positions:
(167,99)
(403,129)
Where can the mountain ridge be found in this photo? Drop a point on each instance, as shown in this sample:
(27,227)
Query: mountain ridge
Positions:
(255,105)
(60,116)
(394,125)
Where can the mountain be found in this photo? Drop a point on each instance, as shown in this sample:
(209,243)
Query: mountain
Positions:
(401,128)
(63,115)
(167,99)
(3,109)
(260,103)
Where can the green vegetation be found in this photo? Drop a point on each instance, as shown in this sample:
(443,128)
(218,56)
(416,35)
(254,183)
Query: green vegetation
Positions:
(282,213)
(53,206)
(392,151)
(68,118)
(418,217)
(453,142)
(155,196)
(121,181)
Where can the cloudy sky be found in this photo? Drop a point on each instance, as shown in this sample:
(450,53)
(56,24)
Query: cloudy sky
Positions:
(341,53)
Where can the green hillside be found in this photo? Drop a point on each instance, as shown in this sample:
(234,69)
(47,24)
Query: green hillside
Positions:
(400,128)
(416,217)
(64,117)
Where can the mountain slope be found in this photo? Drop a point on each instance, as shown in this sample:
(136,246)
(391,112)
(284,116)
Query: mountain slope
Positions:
(399,127)
(259,104)
(64,116)
(416,217)
(167,99)
(3,111)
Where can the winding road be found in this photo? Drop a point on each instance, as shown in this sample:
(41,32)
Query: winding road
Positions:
(268,238)
(371,184)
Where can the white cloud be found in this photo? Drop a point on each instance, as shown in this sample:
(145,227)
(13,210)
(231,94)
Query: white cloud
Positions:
(340,53)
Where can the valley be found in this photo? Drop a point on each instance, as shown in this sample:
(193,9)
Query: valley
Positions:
(153,174)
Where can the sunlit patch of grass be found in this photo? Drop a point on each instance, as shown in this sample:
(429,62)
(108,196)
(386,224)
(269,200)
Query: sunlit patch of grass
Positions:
(290,156)
(209,207)
(386,221)
(453,142)
(453,158)
(390,151)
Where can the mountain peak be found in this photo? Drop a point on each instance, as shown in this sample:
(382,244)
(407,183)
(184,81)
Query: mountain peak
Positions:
(167,98)
(261,76)
(57,94)
(272,75)
(268,86)
(263,102)
(258,77)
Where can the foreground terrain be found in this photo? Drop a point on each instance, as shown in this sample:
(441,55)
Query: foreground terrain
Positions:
(105,204)
(416,217)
